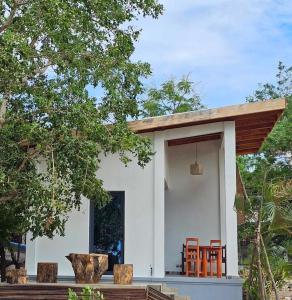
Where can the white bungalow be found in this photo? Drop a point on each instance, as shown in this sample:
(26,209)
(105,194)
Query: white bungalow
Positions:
(157,207)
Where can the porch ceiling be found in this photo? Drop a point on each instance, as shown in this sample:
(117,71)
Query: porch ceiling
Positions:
(253,122)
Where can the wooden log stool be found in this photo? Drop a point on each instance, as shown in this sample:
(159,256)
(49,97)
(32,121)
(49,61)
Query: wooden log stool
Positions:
(47,272)
(88,268)
(16,276)
(123,274)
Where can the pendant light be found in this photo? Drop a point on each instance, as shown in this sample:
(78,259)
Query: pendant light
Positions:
(196,168)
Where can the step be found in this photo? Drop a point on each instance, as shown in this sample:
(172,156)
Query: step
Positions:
(182,298)
(165,288)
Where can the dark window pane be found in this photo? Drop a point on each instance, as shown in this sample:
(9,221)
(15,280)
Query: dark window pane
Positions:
(108,229)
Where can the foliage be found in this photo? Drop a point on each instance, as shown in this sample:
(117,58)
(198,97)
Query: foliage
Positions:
(268,222)
(268,181)
(279,142)
(87,293)
(52,131)
(172,97)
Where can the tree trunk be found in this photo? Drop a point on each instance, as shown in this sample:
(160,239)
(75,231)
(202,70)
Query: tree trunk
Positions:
(47,272)
(88,268)
(270,270)
(258,250)
(123,274)
(16,276)
(3,262)
(251,270)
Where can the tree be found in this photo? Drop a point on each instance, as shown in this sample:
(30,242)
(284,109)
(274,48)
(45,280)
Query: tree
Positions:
(52,131)
(268,225)
(279,142)
(172,97)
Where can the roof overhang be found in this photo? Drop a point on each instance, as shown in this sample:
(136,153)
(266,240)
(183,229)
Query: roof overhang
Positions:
(253,122)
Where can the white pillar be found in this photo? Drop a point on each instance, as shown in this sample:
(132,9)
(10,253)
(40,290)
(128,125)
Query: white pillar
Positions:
(222,204)
(30,254)
(228,214)
(158,205)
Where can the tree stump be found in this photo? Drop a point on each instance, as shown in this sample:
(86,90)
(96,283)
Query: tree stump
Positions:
(123,274)
(47,272)
(16,276)
(88,268)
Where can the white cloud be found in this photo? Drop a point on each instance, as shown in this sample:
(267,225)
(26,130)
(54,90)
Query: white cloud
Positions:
(225,44)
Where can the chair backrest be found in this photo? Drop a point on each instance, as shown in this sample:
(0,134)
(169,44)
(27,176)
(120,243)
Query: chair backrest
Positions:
(215,243)
(192,242)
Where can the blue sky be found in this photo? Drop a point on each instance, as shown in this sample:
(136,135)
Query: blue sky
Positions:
(226,46)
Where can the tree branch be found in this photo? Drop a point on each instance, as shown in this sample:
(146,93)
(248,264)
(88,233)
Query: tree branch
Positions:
(37,72)
(3,109)
(8,197)
(9,20)
(24,162)
(269,269)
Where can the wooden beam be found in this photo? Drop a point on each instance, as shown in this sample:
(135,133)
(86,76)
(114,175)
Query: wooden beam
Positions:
(248,146)
(246,131)
(248,126)
(247,151)
(249,137)
(194,139)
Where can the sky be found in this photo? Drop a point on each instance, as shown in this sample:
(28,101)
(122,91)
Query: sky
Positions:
(226,47)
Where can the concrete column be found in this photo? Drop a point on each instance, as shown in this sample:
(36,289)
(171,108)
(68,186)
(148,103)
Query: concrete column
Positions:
(158,205)
(30,254)
(227,197)
(222,202)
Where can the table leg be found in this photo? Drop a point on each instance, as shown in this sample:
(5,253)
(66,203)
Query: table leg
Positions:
(204,258)
(219,263)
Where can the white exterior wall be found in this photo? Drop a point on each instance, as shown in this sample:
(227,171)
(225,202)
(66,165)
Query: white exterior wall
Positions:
(138,186)
(192,201)
(54,250)
(191,205)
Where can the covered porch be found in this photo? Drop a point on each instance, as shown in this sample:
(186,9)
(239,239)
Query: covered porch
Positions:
(201,206)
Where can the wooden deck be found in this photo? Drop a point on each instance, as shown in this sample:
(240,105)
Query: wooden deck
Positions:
(60,292)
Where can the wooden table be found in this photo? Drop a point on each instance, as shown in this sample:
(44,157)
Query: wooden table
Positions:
(205,252)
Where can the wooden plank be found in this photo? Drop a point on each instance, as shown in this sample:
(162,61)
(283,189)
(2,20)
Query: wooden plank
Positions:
(48,292)
(248,126)
(250,137)
(245,131)
(255,121)
(247,151)
(194,139)
(248,146)
(210,115)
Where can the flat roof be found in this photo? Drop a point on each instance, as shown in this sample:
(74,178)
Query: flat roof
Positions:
(253,122)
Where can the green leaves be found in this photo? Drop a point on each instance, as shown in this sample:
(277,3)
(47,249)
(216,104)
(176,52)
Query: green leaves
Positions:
(172,97)
(52,132)
(87,293)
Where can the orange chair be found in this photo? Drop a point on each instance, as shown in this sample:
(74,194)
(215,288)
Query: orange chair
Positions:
(192,257)
(215,255)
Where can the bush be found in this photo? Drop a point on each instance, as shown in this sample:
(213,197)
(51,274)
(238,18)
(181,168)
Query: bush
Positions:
(87,293)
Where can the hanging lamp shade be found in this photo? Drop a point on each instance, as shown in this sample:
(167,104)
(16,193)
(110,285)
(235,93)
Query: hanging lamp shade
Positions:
(196,168)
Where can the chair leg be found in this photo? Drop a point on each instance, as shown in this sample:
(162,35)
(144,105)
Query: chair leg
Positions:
(198,267)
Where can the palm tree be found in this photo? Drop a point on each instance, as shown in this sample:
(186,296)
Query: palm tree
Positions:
(268,217)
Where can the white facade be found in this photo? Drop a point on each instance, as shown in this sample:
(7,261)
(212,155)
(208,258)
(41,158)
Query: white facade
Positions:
(163,204)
